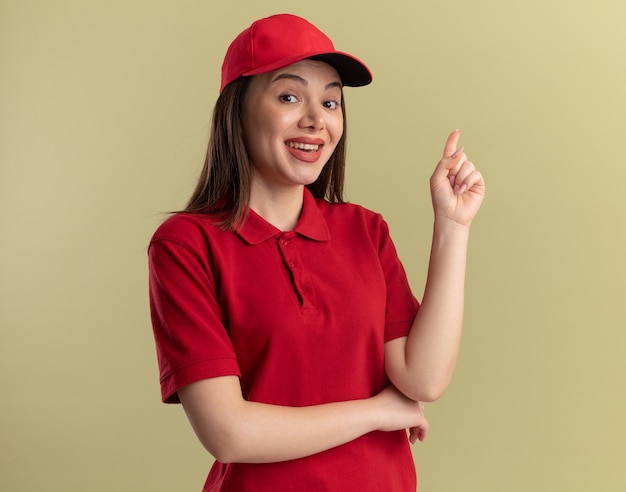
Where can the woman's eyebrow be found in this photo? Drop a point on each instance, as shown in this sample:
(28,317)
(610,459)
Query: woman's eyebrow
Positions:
(303,81)
(291,76)
(334,84)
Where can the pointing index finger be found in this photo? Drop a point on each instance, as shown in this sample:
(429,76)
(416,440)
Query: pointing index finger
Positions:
(451,143)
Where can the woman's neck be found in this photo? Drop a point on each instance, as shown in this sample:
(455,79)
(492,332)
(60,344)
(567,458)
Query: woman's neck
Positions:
(282,208)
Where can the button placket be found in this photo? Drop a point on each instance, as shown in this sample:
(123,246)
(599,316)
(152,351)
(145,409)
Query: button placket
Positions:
(289,252)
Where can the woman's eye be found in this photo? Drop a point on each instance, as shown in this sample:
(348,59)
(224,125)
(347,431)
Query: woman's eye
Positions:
(331,104)
(288,98)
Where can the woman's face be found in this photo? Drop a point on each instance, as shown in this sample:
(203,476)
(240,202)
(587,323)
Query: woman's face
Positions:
(292,122)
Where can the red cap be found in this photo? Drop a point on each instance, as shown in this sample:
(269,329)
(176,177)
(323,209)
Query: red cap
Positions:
(280,40)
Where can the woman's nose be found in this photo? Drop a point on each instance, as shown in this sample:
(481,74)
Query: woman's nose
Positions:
(312,118)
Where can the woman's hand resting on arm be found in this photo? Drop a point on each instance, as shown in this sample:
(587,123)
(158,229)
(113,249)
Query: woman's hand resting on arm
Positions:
(235,430)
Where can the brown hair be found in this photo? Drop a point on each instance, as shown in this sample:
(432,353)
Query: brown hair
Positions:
(223,189)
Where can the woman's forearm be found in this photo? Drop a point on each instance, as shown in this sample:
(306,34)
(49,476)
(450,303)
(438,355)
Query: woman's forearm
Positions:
(235,430)
(260,433)
(421,365)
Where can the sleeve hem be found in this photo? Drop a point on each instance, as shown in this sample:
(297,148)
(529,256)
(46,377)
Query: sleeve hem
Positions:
(175,380)
(397,329)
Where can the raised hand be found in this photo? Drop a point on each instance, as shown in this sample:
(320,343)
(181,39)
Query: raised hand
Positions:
(457,188)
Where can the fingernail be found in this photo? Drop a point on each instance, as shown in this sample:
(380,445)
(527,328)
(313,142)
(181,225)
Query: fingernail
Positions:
(458,152)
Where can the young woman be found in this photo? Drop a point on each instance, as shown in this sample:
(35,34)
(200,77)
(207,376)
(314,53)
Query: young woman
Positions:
(283,318)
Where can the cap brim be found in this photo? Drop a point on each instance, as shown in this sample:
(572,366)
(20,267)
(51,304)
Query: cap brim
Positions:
(353,72)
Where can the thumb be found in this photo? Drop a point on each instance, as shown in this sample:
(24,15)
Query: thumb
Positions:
(451,143)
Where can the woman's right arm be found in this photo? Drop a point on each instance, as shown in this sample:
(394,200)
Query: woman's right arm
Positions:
(235,430)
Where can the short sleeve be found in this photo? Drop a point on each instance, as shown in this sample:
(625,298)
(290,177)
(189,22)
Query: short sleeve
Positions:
(191,340)
(402,306)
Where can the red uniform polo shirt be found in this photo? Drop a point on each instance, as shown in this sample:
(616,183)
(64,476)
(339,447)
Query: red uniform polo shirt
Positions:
(301,317)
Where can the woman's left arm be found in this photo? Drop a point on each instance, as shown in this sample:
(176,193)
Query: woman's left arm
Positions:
(421,364)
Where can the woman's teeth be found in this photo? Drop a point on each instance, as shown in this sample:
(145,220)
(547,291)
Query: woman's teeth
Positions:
(303,146)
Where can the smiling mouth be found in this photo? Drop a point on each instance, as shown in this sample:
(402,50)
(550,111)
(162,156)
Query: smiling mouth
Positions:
(304,146)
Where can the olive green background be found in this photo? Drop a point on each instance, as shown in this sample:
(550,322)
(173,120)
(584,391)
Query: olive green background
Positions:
(104,111)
